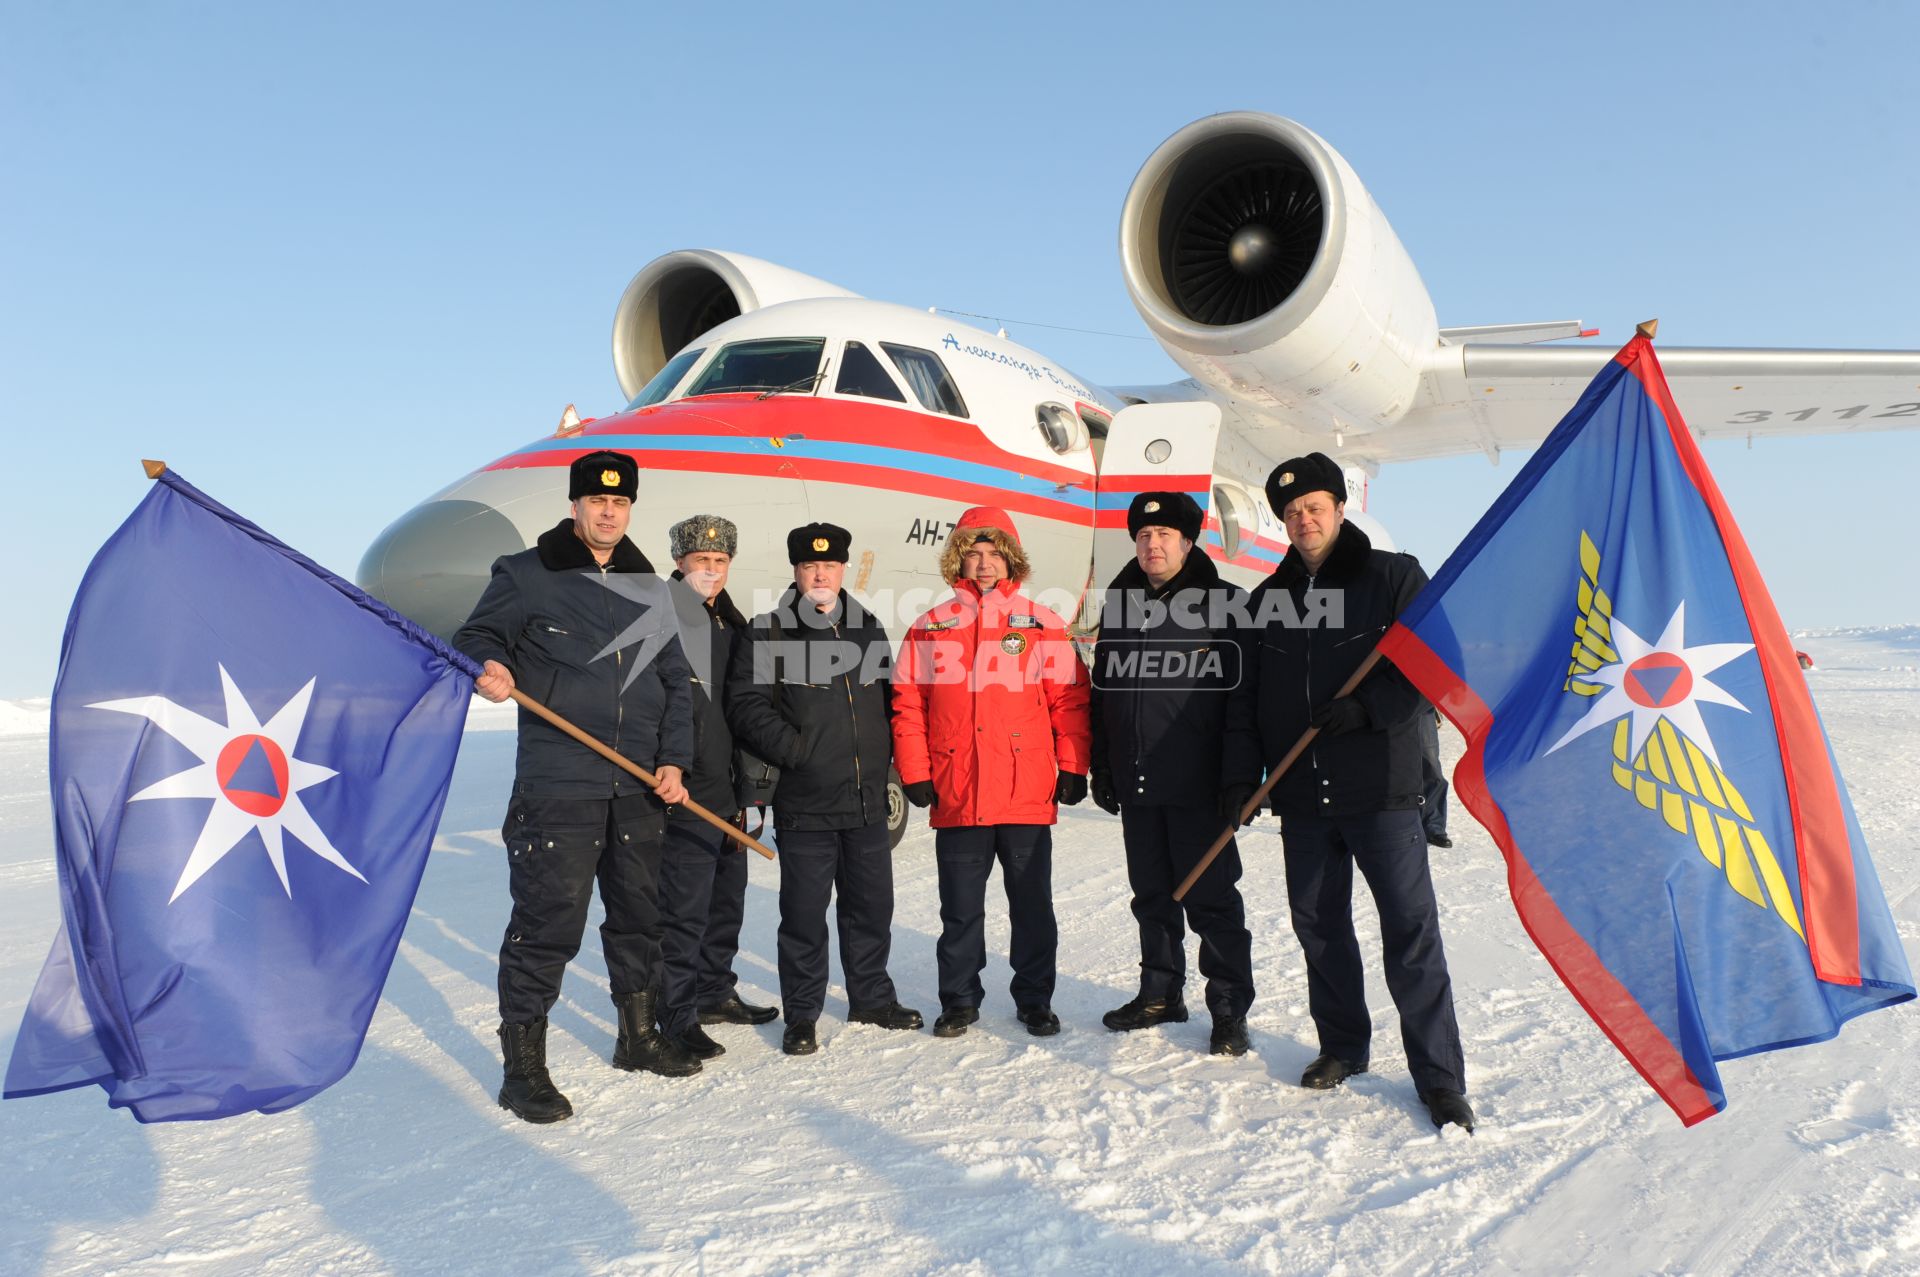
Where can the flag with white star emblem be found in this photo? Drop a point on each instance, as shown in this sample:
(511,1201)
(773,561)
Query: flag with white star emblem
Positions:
(249,760)
(1642,745)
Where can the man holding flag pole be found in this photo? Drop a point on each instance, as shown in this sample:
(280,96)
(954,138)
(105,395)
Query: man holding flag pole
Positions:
(582,617)
(1644,751)
(1353,798)
(1643,748)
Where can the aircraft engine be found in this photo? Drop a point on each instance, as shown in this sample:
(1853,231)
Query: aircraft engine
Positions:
(1265,269)
(680,295)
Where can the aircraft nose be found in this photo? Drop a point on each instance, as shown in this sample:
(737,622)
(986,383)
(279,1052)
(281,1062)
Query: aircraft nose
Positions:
(432,563)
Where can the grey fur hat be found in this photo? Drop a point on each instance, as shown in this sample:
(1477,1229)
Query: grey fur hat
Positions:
(702,532)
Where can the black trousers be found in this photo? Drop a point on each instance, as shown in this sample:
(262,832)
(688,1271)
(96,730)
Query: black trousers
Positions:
(965,858)
(556,848)
(1163,845)
(1433,777)
(814,865)
(1391,849)
(703,896)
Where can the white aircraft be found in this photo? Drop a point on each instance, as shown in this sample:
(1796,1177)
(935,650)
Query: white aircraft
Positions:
(1258,261)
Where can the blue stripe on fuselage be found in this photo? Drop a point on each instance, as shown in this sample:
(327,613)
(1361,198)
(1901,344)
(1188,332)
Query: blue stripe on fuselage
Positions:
(906,460)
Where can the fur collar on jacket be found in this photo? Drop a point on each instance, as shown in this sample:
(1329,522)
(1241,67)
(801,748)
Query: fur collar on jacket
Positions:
(1198,572)
(562,550)
(1347,561)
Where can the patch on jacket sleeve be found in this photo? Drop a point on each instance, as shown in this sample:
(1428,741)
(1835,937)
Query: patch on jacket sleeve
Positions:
(932,626)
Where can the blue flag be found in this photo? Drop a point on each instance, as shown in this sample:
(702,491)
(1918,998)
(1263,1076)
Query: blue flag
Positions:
(1642,745)
(249,760)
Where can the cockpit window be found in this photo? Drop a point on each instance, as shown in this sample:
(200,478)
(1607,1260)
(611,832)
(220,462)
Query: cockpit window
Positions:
(932,385)
(861,374)
(779,363)
(666,379)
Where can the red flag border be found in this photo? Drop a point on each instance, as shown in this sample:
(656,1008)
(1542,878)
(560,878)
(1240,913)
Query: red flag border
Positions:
(1822,847)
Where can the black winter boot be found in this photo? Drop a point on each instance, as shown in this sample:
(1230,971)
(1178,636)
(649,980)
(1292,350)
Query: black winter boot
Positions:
(641,1045)
(526,1090)
(697,1044)
(1229,1036)
(1448,1107)
(1143,1012)
(890,1016)
(734,1011)
(1328,1071)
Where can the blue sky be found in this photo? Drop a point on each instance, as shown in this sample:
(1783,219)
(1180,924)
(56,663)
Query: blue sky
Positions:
(324,259)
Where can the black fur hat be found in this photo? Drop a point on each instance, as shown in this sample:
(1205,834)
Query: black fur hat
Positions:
(1315,472)
(603,473)
(1174,510)
(818,543)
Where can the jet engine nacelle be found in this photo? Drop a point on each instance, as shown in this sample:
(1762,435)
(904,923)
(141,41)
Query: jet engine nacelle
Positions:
(678,296)
(1265,269)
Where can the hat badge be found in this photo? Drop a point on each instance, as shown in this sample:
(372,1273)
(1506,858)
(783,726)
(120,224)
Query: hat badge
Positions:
(609,478)
(1152,507)
(819,543)
(1286,477)
(712,532)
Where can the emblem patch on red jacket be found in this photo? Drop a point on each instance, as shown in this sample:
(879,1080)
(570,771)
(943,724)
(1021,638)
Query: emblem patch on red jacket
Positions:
(1013,644)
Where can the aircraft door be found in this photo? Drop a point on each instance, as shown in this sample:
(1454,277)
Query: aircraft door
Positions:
(1166,446)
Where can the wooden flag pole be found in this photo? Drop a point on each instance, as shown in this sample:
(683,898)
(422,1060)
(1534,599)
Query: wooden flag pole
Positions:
(646,777)
(1280,769)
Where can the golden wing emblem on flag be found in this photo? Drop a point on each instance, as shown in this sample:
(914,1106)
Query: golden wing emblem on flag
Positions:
(1592,632)
(1665,768)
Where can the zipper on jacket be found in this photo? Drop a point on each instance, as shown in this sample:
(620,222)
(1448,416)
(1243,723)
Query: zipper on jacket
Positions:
(854,715)
(1309,683)
(619,696)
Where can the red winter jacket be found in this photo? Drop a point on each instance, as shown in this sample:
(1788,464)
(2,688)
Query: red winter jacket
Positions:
(990,703)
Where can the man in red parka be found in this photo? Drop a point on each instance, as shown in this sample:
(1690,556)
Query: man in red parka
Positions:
(990,730)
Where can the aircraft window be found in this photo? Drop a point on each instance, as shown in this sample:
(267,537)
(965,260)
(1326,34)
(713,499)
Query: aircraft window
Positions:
(777,363)
(1226,511)
(931,383)
(1063,431)
(1238,514)
(666,379)
(861,374)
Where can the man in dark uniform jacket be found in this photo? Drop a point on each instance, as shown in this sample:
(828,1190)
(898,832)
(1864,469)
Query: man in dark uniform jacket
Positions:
(808,691)
(581,624)
(1354,796)
(703,874)
(1162,669)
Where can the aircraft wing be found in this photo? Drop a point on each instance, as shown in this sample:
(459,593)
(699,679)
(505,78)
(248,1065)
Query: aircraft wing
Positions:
(1491,397)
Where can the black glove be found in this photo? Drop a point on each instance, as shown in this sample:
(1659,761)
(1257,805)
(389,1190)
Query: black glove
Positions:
(1103,796)
(1071,789)
(1340,716)
(1233,801)
(920,793)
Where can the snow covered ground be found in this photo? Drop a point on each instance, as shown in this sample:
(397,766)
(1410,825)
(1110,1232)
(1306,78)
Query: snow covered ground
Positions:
(998,1153)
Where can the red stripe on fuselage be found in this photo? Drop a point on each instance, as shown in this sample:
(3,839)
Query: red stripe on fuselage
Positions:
(832,421)
(816,470)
